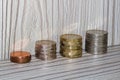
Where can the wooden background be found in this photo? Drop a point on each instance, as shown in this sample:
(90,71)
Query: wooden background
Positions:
(22,22)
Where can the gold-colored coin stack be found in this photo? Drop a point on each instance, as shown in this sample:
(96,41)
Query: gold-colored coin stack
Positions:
(45,49)
(71,45)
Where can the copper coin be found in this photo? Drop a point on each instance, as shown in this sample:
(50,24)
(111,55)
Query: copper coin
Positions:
(20,57)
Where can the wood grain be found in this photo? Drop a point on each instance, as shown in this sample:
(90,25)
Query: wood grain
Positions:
(25,21)
(88,67)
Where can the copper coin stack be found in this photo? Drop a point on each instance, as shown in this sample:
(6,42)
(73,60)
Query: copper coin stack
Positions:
(71,45)
(96,41)
(20,57)
(45,49)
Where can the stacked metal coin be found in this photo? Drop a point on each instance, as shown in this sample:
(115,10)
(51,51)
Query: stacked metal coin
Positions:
(45,49)
(71,45)
(20,57)
(96,41)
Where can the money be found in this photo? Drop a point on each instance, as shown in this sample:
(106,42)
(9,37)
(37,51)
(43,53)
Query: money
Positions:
(96,41)
(71,45)
(45,49)
(20,57)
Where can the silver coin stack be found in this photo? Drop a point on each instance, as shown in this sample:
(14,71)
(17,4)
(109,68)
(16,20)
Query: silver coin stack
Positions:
(96,41)
(45,49)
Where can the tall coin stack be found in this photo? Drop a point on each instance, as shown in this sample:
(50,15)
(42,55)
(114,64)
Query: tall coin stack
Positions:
(45,49)
(96,41)
(71,45)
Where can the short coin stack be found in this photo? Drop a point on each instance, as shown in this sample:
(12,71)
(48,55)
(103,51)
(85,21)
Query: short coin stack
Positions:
(20,57)
(71,45)
(96,41)
(45,49)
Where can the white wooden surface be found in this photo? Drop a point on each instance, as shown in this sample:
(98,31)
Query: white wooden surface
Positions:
(88,67)
(22,22)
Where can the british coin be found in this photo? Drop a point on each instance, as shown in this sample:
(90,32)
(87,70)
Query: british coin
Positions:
(97,33)
(70,37)
(45,56)
(41,47)
(20,57)
(71,45)
(45,43)
(72,53)
(96,41)
(45,49)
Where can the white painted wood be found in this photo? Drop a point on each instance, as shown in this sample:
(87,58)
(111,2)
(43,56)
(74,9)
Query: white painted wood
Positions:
(92,67)
(1,28)
(25,21)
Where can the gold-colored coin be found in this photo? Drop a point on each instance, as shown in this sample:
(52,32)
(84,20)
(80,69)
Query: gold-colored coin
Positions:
(71,45)
(72,53)
(70,37)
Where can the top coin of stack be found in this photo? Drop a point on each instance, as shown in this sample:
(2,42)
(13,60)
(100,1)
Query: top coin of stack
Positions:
(71,45)
(96,41)
(45,49)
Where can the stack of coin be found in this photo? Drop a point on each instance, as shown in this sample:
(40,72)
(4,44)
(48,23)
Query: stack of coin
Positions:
(20,57)
(45,49)
(96,41)
(71,45)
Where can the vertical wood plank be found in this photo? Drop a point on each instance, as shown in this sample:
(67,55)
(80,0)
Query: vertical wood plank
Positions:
(1,12)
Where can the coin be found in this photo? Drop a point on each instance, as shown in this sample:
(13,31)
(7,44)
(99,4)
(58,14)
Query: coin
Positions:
(71,45)
(46,56)
(96,41)
(45,43)
(72,53)
(45,49)
(67,43)
(70,37)
(20,57)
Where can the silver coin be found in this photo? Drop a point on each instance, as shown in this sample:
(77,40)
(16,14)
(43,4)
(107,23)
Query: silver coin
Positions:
(45,49)
(96,41)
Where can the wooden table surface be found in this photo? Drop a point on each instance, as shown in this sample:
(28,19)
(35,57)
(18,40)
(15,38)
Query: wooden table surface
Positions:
(89,67)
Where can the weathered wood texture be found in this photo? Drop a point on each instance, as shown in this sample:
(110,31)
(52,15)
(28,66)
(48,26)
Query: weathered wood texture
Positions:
(89,67)
(22,22)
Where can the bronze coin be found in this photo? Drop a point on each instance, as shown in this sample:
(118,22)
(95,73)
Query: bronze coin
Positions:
(20,57)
